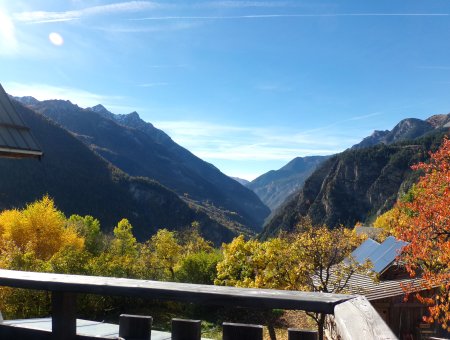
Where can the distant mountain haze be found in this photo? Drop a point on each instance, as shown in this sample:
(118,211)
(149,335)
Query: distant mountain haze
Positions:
(364,181)
(81,182)
(241,181)
(139,149)
(275,186)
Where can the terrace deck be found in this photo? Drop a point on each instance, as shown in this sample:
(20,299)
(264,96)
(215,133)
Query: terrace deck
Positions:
(84,327)
(354,316)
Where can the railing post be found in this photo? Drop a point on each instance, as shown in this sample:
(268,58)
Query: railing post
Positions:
(186,329)
(302,334)
(239,331)
(136,327)
(64,320)
(357,319)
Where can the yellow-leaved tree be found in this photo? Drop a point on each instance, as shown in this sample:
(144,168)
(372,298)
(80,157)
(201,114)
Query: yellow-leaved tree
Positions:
(35,238)
(39,228)
(161,255)
(311,259)
(121,256)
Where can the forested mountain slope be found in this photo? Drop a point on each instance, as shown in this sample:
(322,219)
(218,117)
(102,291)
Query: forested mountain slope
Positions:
(355,185)
(139,149)
(275,186)
(83,183)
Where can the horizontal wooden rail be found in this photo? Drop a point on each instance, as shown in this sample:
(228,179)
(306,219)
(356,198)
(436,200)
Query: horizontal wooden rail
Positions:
(354,317)
(200,294)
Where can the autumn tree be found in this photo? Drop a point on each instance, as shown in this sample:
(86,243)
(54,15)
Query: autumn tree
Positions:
(88,227)
(199,267)
(121,256)
(199,259)
(36,238)
(161,255)
(426,226)
(310,259)
(39,229)
(325,254)
(192,242)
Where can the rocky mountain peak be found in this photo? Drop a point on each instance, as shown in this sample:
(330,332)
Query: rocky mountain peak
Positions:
(26,100)
(406,129)
(58,104)
(99,108)
(134,115)
(103,111)
(133,120)
(438,121)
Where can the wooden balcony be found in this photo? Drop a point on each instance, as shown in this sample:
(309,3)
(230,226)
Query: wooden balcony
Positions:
(353,317)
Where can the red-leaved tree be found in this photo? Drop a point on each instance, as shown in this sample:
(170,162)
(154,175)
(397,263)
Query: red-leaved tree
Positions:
(427,229)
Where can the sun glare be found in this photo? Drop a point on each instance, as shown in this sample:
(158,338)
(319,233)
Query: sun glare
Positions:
(56,39)
(7,38)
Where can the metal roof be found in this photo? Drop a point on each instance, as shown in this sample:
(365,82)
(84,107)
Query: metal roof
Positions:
(381,255)
(375,290)
(386,253)
(16,140)
(362,253)
(370,287)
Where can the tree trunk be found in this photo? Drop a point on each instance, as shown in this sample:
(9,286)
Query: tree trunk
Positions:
(320,324)
(270,320)
(271,329)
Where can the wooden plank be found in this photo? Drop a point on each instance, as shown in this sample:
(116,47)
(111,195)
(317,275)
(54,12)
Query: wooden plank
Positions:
(64,320)
(85,328)
(302,334)
(11,332)
(200,294)
(183,329)
(136,327)
(240,331)
(356,319)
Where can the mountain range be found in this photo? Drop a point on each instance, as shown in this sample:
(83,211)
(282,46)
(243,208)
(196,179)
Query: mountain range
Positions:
(364,181)
(275,186)
(114,166)
(81,182)
(406,129)
(141,150)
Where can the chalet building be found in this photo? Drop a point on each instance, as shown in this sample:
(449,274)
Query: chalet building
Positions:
(386,294)
(16,140)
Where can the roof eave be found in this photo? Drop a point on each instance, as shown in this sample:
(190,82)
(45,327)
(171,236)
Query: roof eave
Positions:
(20,153)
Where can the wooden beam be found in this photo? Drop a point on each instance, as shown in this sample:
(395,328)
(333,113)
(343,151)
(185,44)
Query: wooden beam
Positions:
(17,333)
(302,334)
(186,329)
(356,319)
(15,126)
(195,293)
(135,327)
(240,331)
(8,152)
(64,320)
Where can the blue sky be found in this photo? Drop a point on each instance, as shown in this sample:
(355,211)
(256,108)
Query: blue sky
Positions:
(245,85)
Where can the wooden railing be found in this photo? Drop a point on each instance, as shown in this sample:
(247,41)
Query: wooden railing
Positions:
(354,317)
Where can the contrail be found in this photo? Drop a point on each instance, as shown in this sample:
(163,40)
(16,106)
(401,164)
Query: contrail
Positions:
(264,16)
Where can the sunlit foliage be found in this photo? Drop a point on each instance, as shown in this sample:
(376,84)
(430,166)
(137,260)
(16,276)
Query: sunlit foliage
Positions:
(40,238)
(310,259)
(425,224)
(40,229)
